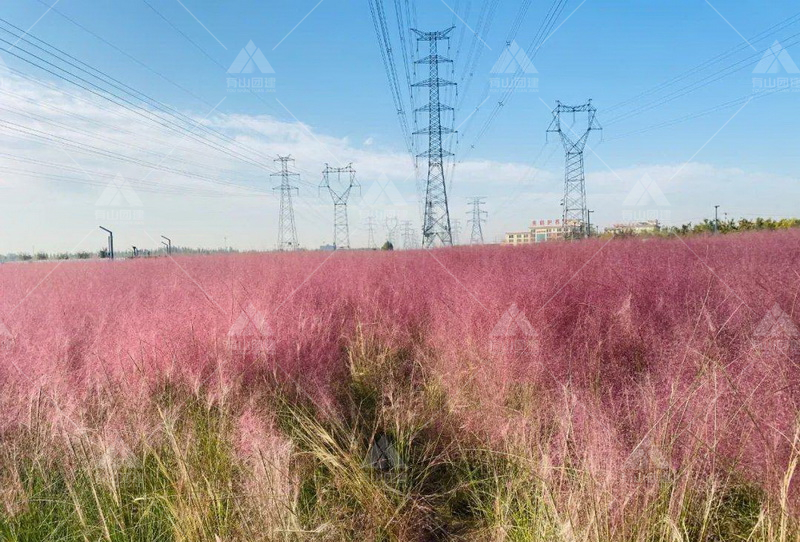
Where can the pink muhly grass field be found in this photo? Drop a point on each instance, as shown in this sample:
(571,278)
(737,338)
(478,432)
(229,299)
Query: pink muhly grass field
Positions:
(629,345)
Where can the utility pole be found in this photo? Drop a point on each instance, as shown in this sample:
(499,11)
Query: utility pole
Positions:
(370,223)
(477,220)
(575,216)
(716,218)
(589,222)
(436,223)
(456,229)
(340,192)
(287,233)
(110,242)
(168,244)
(392,223)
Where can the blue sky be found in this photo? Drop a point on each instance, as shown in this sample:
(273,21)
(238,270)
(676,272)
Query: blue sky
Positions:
(329,77)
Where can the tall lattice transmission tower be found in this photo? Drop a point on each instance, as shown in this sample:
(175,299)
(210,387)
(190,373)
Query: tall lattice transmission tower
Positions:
(456,230)
(370,224)
(409,241)
(436,222)
(287,232)
(477,220)
(576,214)
(340,191)
(392,224)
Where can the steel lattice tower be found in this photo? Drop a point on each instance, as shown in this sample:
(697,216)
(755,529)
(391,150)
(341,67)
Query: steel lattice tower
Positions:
(392,223)
(370,224)
(477,220)
(287,233)
(436,221)
(575,215)
(408,235)
(456,231)
(340,192)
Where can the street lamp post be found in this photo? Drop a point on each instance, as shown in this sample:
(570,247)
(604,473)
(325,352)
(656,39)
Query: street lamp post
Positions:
(110,242)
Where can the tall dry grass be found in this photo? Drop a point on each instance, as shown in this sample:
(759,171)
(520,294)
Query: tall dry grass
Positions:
(642,401)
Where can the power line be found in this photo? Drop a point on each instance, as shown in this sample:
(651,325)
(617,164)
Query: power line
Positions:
(85,148)
(387,56)
(92,80)
(696,85)
(105,137)
(765,34)
(542,34)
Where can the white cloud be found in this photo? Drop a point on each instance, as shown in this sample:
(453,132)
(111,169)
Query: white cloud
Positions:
(238,202)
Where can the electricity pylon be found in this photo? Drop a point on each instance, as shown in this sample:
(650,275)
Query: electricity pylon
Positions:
(340,192)
(287,233)
(408,236)
(477,220)
(370,224)
(575,215)
(392,223)
(436,223)
(456,230)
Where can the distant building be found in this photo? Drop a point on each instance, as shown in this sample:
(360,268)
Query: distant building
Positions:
(539,232)
(635,228)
